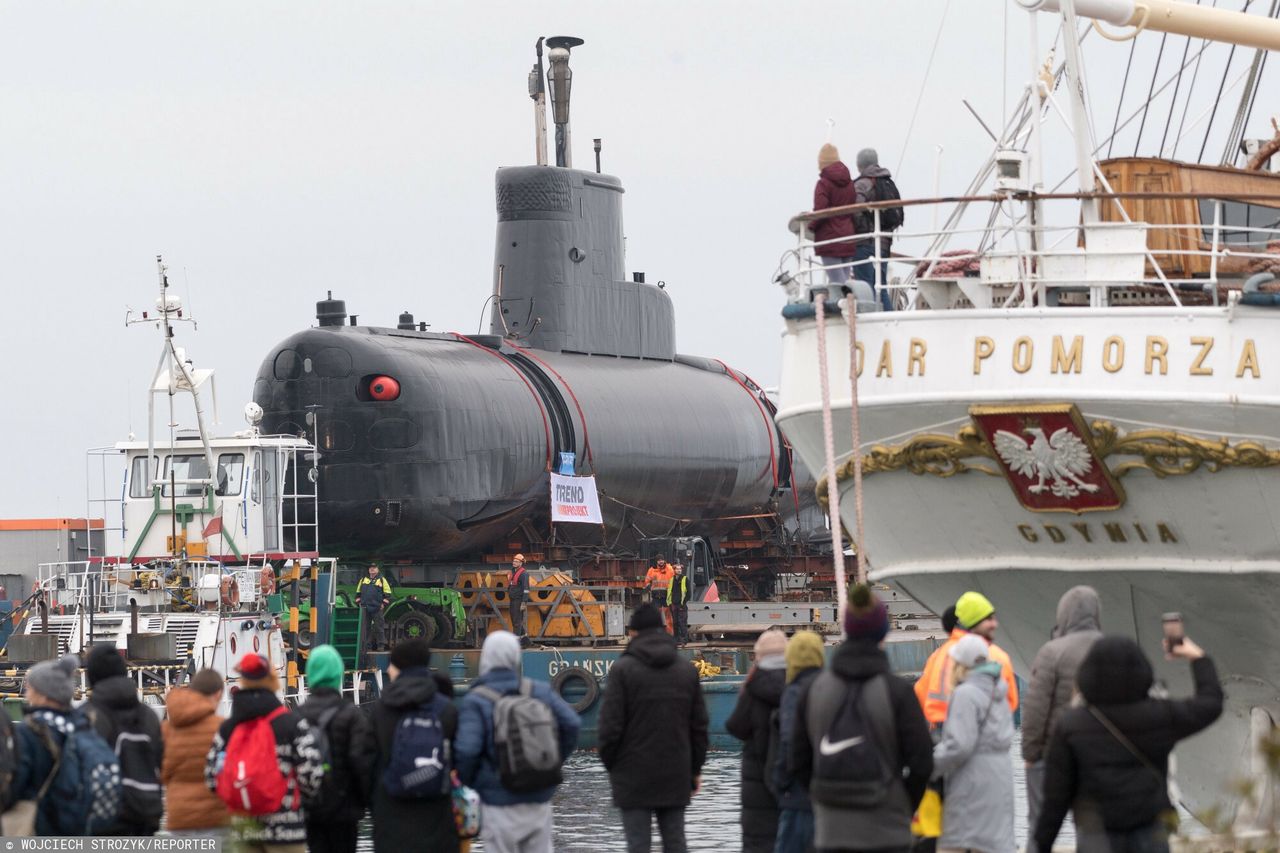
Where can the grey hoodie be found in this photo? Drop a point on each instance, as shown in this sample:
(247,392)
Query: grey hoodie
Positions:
(1053,674)
(973,756)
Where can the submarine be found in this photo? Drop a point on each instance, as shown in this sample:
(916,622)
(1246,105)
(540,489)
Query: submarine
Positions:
(435,448)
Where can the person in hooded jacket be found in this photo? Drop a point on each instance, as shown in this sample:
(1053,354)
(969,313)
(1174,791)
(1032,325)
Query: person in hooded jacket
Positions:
(47,691)
(510,822)
(834,234)
(1110,758)
(864,189)
(402,824)
(652,734)
(805,658)
(750,723)
(1053,682)
(190,808)
(908,752)
(297,755)
(973,755)
(133,731)
(333,819)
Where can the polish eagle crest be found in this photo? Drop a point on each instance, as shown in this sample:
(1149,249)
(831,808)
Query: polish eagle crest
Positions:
(1055,462)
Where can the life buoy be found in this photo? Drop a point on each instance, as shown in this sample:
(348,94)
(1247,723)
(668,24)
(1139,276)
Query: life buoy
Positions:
(267,580)
(588,698)
(230,592)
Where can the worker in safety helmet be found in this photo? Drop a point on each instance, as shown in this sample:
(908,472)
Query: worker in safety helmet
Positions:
(373,594)
(517,589)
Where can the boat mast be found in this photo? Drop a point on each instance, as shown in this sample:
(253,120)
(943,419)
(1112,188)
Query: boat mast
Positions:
(1172,17)
(172,375)
(1083,131)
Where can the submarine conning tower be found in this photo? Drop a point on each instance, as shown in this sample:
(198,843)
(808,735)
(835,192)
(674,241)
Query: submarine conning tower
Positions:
(560,279)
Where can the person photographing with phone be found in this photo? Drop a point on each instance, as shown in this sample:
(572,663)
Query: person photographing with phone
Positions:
(1110,757)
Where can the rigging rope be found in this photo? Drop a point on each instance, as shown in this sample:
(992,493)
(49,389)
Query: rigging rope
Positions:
(1218,98)
(923,84)
(1231,150)
(1173,101)
(1204,43)
(860,551)
(829,446)
(1124,86)
(1155,74)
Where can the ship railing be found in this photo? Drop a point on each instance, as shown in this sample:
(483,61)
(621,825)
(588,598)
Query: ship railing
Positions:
(1030,261)
(93,585)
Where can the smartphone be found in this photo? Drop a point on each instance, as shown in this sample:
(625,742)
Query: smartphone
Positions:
(1173,632)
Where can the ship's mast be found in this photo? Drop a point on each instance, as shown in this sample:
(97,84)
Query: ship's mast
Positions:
(1169,16)
(173,374)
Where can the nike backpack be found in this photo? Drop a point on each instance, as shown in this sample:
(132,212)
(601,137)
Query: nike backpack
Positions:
(421,760)
(527,739)
(849,768)
(250,781)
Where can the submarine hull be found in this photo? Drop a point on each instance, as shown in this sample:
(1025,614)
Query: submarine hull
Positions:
(459,459)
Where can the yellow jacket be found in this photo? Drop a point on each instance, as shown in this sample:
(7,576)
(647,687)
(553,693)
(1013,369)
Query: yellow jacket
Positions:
(933,689)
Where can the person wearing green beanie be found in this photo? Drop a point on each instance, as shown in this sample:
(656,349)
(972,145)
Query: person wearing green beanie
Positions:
(804,652)
(334,814)
(324,668)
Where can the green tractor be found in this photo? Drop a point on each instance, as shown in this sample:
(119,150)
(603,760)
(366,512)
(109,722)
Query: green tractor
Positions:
(430,613)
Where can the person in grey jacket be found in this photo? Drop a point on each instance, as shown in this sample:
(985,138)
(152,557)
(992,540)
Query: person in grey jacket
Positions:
(973,755)
(1053,683)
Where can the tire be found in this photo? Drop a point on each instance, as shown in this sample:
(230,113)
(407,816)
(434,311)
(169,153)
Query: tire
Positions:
(415,624)
(444,628)
(565,676)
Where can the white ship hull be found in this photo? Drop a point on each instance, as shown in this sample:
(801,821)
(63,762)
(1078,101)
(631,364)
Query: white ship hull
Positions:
(1197,530)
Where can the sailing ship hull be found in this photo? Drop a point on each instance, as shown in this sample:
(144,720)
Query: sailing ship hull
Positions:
(1175,505)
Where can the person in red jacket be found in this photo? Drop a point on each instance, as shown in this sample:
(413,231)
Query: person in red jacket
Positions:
(834,189)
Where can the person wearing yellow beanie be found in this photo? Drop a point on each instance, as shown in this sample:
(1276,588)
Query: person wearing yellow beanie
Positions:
(805,657)
(804,652)
(972,610)
(975,614)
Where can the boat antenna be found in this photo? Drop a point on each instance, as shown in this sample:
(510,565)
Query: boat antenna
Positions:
(538,92)
(173,374)
(561,79)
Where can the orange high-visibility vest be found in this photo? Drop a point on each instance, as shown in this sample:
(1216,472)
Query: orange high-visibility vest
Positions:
(933,689)
(658,578)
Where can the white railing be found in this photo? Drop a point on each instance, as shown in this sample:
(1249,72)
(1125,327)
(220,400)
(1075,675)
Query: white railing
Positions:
(1013,262)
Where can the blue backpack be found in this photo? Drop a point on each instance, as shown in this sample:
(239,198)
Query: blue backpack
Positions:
(421,756)
(85,780)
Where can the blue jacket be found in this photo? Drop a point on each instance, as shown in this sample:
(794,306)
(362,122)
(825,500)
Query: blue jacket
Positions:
(474,753)
(35,763)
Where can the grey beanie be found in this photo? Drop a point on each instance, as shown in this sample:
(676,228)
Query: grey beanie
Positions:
(55,679)
(867,157)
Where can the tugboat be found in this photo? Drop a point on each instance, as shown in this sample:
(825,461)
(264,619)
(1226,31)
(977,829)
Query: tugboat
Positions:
(1088,393)
(211,532)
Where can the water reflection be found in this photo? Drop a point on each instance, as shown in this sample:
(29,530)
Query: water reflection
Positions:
(585,819)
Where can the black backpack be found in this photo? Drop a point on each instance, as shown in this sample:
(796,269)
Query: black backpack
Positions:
(334,789)
(136,748)
(891,218)
(850,769)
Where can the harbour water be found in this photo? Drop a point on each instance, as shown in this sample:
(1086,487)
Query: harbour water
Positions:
(587,822)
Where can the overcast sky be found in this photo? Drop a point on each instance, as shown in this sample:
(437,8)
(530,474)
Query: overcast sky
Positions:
(274,151)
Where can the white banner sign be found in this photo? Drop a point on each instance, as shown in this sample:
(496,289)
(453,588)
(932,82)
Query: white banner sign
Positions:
(574,499)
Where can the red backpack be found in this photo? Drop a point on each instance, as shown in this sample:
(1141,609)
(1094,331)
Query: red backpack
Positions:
(250,782)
